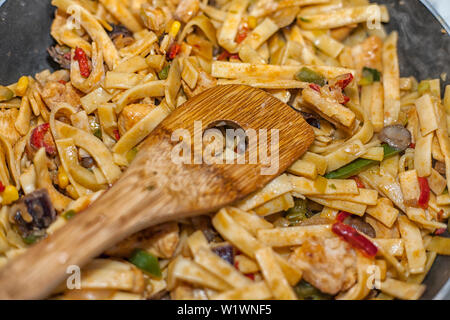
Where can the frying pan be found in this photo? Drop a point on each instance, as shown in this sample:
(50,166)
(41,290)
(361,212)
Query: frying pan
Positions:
(424,52)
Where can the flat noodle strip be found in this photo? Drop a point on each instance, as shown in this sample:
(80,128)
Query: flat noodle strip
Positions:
(149,89)
(95,147)
(139,131)
(60,201)
(273,275)
(232,70)
(221,268)
(341,17)
(391,80)
(93,28)
(227,33)
(121,13)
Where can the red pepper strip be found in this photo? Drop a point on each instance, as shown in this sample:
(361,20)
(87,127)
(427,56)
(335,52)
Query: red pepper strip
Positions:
(359,182)
(412,145)
(116,134)
(439,231)
(315,87)
(424,192)
(236,265)
(250,276)
(174,50)
(344,80)
(62,82)
(2,187)
(41,137)
(83,62)
(234,56)
(342,215)
(242,34)
(224,56)
(346,99)
(440,215)
(355,239)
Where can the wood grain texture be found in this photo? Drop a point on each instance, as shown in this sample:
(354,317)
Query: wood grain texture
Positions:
(154,189)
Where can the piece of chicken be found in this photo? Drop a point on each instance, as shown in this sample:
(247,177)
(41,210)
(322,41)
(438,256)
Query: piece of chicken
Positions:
(131,115)
(187,9)
(7,128)
(54,93)
(368,54)
(328,264)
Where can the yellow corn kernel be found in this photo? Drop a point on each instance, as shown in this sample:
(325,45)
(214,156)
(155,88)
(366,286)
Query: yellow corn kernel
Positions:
(22,86)
(10,195)
(252,22)
(174,28)
(72,192)
(63,179)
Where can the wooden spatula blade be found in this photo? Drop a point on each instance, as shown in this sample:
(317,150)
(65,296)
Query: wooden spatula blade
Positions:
(156,188)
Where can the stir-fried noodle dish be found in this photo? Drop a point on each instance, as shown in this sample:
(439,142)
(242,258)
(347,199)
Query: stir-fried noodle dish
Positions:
(361,215)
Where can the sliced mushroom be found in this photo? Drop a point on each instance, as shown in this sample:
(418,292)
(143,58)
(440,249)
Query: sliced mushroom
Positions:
(225,251)
(396,136)
(33,213)
(61,55)
(360,225)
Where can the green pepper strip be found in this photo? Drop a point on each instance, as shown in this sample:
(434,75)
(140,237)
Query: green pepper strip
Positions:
(146,261)
(355,167)
(311,76)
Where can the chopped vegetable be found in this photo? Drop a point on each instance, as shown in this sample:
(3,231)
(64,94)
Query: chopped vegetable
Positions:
(305,19)
(69,214)
(173,51)
(305,291)
(298,212)
(226,252)
(9,195)
(356,240)
(61,55)
(22,86)
(31,239)
(162,75)
(63,179)
(87,162)
(397,136)
(424,192)
(116,134)
(360,225)
(83,62)
(308,75)
(98,133)
(6,93)
(315,87)
(342,81)
(342,215)
(359,182)
(369,76)
(33,212)
(42,137)
(242,34)
(146,261)
(174,28)
(355,167)
(2,187)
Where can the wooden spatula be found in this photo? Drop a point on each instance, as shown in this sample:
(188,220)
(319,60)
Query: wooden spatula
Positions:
(154,189)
